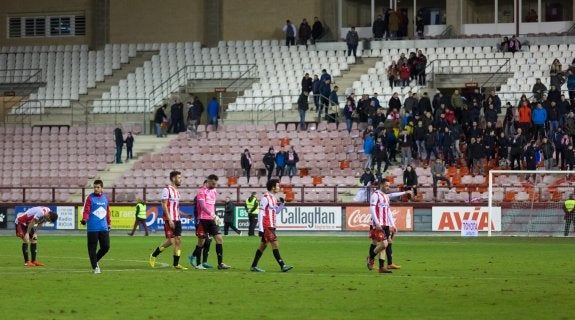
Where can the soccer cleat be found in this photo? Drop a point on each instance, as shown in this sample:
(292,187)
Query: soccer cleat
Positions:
(97,270)
(393,266)
(257,269)
(207,266)
(370,262)
(38,263)
(180,267)
(29,264)
(200,267)
(223,266)
(152,261)
(384,270)
(286,268)
(192,259)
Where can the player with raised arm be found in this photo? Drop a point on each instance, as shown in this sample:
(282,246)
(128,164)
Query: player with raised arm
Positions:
(208,218)
(27,226)
(269,208)
(380,223)
(172,223)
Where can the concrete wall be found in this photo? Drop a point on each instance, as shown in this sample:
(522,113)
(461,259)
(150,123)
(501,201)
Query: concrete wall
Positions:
(43,8)
(264,19)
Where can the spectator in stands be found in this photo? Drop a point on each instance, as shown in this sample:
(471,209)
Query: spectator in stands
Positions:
(306,83)
(477,155)
(424,104)
(302,107)
(557,139)
(410,103)
(362,108)
(571,85)
(393,74)
(129,146)
(525,118)
(503,150)
(569,158)
(531,155)
(304,32)
(352,41)
(531,16)
(391,142)
(514,45)
(269,162)
(411,64)
(368,145)
(447,146)
(419,24)
(316,85)
(539,117)
(564,106)
(538,89)
(119,136)
(176,117)
(213,112)
(194,116)
(456,132)
(380,155)
(496,101)
(393,24)
(405,144)
(490,114)
(489,142)
(404,74)
(438,174)
(504,45)
(517,142)
(372,113)
(569,125)
(553,117)
(229,209)
(378,28)
(333,98)
(246,163)
(367,178)
(280,160)
(316,30)
(510,120)
(546,149)
(348,112)
(431,139)
(291,32)
(410,179)
(394,102)
(291,161)
(420,64)
(325,92)
(375,99)
(159,117)
(403,24)
(556,73)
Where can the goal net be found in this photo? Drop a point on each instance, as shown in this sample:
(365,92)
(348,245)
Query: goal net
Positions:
(529,203)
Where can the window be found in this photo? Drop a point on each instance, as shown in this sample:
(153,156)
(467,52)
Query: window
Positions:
(432,11)
(478,11)
(529,11)
(556,10)
(356,13)
(51,26)
(505,12)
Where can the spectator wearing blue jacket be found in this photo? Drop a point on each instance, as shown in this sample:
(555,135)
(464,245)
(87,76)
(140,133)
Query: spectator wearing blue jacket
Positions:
(280,163)
(325,92)
(368,145)
(571,85)
(213,112)
(539,116)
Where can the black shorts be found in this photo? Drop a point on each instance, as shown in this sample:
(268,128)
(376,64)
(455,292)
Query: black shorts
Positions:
(176,232)
(21,230)
(210,227)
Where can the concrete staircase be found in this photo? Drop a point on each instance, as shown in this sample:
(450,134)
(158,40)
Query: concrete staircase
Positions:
(345,81)
(143,144)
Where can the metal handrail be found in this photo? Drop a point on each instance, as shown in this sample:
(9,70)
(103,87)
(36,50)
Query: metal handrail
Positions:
(497,72)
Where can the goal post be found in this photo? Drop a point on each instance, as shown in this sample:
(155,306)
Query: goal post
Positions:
(530,201)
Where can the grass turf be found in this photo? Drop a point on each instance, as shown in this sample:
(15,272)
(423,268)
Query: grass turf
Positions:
(441,278)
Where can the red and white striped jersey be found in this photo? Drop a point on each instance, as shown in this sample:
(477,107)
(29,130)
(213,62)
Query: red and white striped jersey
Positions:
(35,213)
(268,211)
(172,194)
(379,209)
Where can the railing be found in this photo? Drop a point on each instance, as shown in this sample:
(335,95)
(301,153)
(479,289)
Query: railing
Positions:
(238,78)
(437,67)
(448,33)
(20,76)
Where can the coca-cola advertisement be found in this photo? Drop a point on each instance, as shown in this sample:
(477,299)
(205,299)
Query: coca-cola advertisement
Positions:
(359,218)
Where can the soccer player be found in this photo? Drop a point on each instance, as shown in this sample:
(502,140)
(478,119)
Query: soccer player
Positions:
(381,220)
(26,230)
(207,205)
(96,216)
(204,241)
(172,224)
(269,208)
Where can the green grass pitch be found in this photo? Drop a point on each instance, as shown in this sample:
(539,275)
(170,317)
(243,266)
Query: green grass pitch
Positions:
(440,278)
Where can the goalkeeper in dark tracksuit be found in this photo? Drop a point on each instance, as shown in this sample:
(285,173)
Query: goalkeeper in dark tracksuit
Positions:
(569,217)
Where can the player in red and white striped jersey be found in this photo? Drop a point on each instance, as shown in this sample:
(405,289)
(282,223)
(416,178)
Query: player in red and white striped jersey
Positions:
(269,209)
(381,222)
(26,230)
(172,224)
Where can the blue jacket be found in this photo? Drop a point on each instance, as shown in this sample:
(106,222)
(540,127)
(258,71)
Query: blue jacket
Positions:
(97,213)
(571,82)
(368,144)
(333,98)
(538,116)
(213,108)
(280,159)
